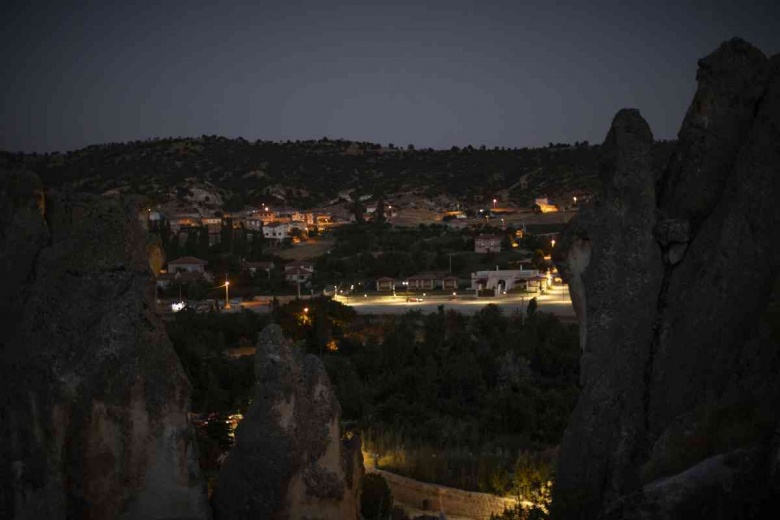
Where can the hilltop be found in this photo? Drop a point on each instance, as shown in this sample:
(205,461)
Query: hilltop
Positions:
(230,173)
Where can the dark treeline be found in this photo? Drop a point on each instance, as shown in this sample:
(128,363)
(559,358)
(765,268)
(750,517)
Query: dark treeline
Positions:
(311,172)
(364,253)
(476,402)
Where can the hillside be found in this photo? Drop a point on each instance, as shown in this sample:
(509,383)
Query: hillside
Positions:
(309,173)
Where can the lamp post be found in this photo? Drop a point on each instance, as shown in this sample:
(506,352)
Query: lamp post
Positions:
(494,203)
(227,296)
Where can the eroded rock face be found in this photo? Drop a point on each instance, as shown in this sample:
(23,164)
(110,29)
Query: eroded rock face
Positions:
(289,460)
(681,350)
(623,253)
(94,408)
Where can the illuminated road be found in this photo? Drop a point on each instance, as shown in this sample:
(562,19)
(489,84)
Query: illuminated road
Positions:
(555,301)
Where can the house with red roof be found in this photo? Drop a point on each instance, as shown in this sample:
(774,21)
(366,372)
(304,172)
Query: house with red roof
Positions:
(187,263)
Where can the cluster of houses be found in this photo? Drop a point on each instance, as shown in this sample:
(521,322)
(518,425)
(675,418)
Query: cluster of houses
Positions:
(189,269)
(419,282)
(276,225)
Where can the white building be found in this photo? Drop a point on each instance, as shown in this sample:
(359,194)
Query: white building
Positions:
(277,231)
(254,223)
(507,279)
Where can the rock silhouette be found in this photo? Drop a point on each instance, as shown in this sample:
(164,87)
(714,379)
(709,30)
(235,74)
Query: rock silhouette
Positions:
(675,283)
(289,460)
(93,419)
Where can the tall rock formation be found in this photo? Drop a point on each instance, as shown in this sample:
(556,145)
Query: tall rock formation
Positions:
(93,416)
(289,460)
(678,297)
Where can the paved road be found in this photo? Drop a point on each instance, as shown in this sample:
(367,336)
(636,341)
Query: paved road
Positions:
(555,301)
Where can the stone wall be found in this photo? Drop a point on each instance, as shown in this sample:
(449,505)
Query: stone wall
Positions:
(456,503)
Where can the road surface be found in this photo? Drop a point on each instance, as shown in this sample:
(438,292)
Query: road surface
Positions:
(555,301)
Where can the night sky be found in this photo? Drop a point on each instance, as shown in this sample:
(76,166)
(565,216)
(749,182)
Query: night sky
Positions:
(430,73)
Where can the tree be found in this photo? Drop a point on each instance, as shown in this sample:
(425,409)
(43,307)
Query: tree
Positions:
(203,242)
(538,260)
(379,214)
(532,305)
(358,209)
(256,246)
(227,234)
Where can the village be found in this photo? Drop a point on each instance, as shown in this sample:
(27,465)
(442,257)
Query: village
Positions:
(274,251)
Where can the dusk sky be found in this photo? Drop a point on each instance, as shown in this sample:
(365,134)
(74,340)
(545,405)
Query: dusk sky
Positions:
(430,73)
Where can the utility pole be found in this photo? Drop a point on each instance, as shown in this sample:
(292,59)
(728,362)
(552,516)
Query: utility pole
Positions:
(227,297)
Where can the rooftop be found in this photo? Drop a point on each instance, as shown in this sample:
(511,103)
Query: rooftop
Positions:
(188,260)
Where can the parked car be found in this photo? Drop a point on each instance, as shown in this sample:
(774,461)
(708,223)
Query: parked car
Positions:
(413,299)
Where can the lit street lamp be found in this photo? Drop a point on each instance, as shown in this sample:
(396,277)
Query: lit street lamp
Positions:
(227,296)
(494,203)
(553,242)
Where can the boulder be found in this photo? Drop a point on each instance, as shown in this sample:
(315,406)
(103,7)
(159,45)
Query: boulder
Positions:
(94,412)
(290,460)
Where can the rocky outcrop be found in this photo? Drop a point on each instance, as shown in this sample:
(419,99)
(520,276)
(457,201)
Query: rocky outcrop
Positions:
(677,311)
(290,460)
(93,418)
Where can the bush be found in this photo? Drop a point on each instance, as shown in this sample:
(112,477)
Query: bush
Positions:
(532,305)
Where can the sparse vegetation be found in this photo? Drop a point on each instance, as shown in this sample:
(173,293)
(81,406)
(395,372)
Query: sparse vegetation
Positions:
(307,173)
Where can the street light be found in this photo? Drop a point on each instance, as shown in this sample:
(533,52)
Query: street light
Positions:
(575,201)
(494,203)
(227,296)
(553,242)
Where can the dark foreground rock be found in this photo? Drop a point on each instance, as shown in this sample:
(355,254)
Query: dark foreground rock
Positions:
(289,460)
(93,413)
(676,287)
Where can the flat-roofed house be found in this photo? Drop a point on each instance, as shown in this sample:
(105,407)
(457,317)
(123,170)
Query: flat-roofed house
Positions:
(385,283)
(276,231)
(487,244)
(255,268)
(449,283)
(422,282)
(298,274)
